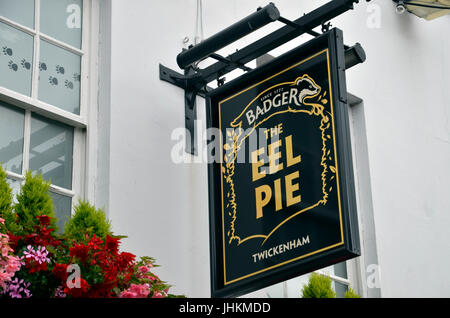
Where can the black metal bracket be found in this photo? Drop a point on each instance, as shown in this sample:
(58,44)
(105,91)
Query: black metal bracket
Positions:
(326,26)
(191,83)
(194,80)
(190,111)
(228,61)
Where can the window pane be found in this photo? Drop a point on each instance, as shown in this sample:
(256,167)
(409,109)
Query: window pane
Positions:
(275,291)
(16,59)
(63,209)
(15,187)
(51,150)
(11,137)
(295,286)
(339,288)
(20,11)
(339,269)
(61,19)
(59,77)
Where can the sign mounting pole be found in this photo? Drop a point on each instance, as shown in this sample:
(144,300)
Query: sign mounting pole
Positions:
(194,80)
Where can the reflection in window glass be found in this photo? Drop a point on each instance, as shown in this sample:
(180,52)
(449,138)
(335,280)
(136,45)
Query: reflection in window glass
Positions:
(20,11)
(63,209)
(11,137)
(62,19)
(51,150)
(16,59)
(15,188)
(59,77)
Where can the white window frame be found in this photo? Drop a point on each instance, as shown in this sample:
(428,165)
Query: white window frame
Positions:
(84,124)
(365,267)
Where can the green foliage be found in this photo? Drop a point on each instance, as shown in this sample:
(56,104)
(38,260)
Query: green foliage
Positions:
(6,206)
(319,286)
(34,200)
(87,220)
(5,194)
(106,272)
(350,293)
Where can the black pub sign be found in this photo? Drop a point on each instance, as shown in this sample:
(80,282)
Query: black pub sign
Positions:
(282,199)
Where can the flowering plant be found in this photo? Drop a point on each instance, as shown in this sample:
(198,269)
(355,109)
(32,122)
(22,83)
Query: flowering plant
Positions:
(84,261)
(145,284)
(102,266)
(36,253)
(52,267)
(9,264)
(45,262)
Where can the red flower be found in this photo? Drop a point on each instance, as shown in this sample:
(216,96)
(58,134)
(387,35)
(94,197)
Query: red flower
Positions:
(44,220)
(112,244)
(102,290)
(43,235)
(95,243)
(127,258)
(79,251)
(34,267)
(60,271)
(78,292)
(13,240)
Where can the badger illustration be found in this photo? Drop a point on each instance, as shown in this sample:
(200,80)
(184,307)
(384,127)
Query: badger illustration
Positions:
(307,88)
(280,98)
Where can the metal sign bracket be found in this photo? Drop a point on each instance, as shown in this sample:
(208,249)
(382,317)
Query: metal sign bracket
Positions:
(194,80)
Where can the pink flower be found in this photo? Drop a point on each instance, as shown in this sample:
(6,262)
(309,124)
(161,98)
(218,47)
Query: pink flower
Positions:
(13,266)
(2,221)
(136,291)
(16,288)
(5,250)
(141,291)
(127,294)
(39,255)
(158,295)
(143,269)
(9,264)
(59,293)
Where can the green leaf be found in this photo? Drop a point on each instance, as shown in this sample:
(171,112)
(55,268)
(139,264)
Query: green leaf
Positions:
(319,286)
(350,293)
(87,220)
(34,200)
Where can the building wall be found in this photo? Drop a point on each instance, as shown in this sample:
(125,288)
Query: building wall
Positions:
(163,206)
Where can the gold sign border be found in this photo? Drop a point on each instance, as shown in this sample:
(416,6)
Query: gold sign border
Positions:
(336,172)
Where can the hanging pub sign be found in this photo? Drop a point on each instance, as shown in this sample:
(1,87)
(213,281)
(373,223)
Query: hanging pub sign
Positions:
(282,198)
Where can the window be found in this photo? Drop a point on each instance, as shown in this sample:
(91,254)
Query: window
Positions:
(292,288)
(44,94)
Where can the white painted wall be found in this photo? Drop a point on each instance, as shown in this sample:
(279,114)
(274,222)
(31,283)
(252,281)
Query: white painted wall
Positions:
(163,206)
